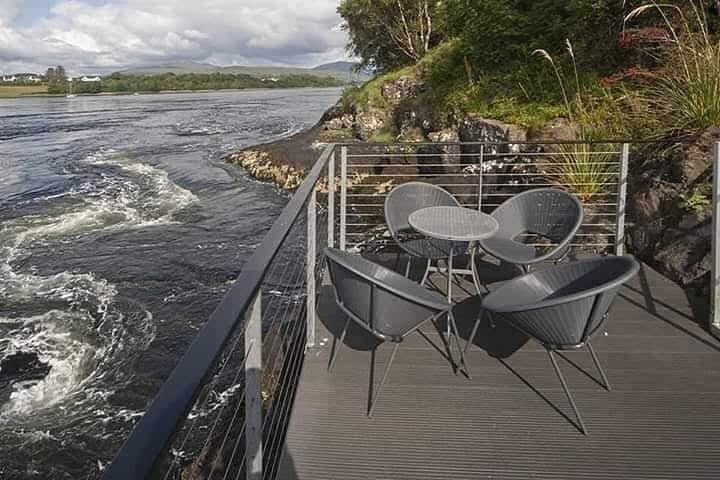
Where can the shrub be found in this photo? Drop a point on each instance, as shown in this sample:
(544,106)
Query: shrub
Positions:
(698,201)
(583,168)
(685,93)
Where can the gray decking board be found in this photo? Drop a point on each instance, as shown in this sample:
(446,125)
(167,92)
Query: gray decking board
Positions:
(660,421)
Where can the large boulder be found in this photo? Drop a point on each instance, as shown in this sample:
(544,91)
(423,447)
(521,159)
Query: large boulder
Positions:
(402,89)
(559,129)
(665,233)
(446,155)
(687,257)
(474,128)
(370,121)
(696,161)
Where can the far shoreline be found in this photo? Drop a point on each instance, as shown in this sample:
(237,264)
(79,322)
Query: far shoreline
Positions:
(163,92)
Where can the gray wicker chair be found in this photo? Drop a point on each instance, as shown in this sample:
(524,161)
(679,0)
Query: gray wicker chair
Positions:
(385,304)
(547,212)
(407,198)
(562,307)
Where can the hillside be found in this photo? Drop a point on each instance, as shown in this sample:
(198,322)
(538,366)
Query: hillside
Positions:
(578,71)
(340,70)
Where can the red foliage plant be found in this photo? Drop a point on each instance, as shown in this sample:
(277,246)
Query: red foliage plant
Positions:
(635,73)
(638,36)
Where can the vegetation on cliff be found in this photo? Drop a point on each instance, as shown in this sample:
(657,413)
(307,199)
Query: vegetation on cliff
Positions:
(123,83)
(514,70)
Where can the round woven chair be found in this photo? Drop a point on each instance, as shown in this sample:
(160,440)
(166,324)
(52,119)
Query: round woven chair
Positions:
(385,304)
(548,213)
(562,307)
(406,199)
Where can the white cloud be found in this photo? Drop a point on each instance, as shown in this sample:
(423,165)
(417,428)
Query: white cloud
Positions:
(87,37)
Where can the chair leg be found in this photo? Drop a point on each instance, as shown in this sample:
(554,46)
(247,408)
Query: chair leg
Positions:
(337,344)
(427,273)
(407,267)
(471,340)
(473,271)
(373,397)
(397,261)
(599,367)
(456,334)
(567,392)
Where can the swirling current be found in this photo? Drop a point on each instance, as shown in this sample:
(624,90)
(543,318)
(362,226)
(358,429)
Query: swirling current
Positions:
(120,229)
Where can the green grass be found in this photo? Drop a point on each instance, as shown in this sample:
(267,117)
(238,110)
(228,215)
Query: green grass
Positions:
(13,91)
(685,95)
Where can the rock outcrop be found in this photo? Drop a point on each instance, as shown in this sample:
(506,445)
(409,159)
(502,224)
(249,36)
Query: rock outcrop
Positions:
(666,233)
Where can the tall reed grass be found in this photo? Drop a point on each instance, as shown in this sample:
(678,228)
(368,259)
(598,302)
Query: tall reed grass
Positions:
(685,93)
(581,168)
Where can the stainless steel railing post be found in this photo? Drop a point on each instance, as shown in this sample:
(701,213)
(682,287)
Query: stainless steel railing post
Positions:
(715,270)
(310,266)
(480,177)
(253,390)
(331,201)
(343,198)
(622,200)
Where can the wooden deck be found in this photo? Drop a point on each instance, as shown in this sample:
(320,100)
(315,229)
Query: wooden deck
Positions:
(511,420)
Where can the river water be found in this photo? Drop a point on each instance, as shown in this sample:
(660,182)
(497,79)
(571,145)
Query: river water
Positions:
(120,230)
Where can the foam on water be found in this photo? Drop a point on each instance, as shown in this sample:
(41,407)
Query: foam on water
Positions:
(70,358)
(80,329)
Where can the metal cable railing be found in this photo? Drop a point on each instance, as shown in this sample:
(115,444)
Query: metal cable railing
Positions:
(483,176)
(224,411)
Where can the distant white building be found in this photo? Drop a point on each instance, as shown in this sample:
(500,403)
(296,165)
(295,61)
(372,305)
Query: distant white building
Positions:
(90,79)
(28,77)
(9,78)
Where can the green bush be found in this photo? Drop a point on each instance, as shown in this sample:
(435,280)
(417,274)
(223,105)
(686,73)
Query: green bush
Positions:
(685,93)
(501,34)
(697,201)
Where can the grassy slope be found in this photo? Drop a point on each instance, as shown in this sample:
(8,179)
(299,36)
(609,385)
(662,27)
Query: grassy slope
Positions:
(9,91)
(450,92)
(338,71)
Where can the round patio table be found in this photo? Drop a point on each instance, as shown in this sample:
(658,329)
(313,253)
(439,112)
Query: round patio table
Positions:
(456,224)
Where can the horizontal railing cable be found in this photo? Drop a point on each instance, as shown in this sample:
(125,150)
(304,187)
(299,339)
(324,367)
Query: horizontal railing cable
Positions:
(153,432)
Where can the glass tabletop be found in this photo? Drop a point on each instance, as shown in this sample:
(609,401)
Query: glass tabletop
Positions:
(453,223)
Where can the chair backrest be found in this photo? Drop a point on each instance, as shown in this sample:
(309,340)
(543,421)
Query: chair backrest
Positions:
(385,303)
(564,305)
(410,197)
(552,213)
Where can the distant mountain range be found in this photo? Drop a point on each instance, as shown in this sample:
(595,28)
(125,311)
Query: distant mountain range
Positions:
(345,71)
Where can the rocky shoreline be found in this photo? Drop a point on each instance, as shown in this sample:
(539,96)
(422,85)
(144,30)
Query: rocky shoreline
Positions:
(663,231)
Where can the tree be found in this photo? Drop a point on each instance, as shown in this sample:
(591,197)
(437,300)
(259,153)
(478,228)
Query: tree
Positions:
(502,34)
(60,73)
(390,33)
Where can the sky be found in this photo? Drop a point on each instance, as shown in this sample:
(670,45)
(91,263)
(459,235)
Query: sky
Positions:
(101,36)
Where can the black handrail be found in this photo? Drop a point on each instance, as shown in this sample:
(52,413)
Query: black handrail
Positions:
(153,433)
(507,142)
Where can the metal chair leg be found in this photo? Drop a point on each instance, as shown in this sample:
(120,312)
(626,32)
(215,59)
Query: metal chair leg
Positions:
(374,398)
(471,340)
(427,273)
(475,276)
(397,261)
(407,267)
(599,367)
(337,344)
(473,271)
(461,351)
(567,392)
